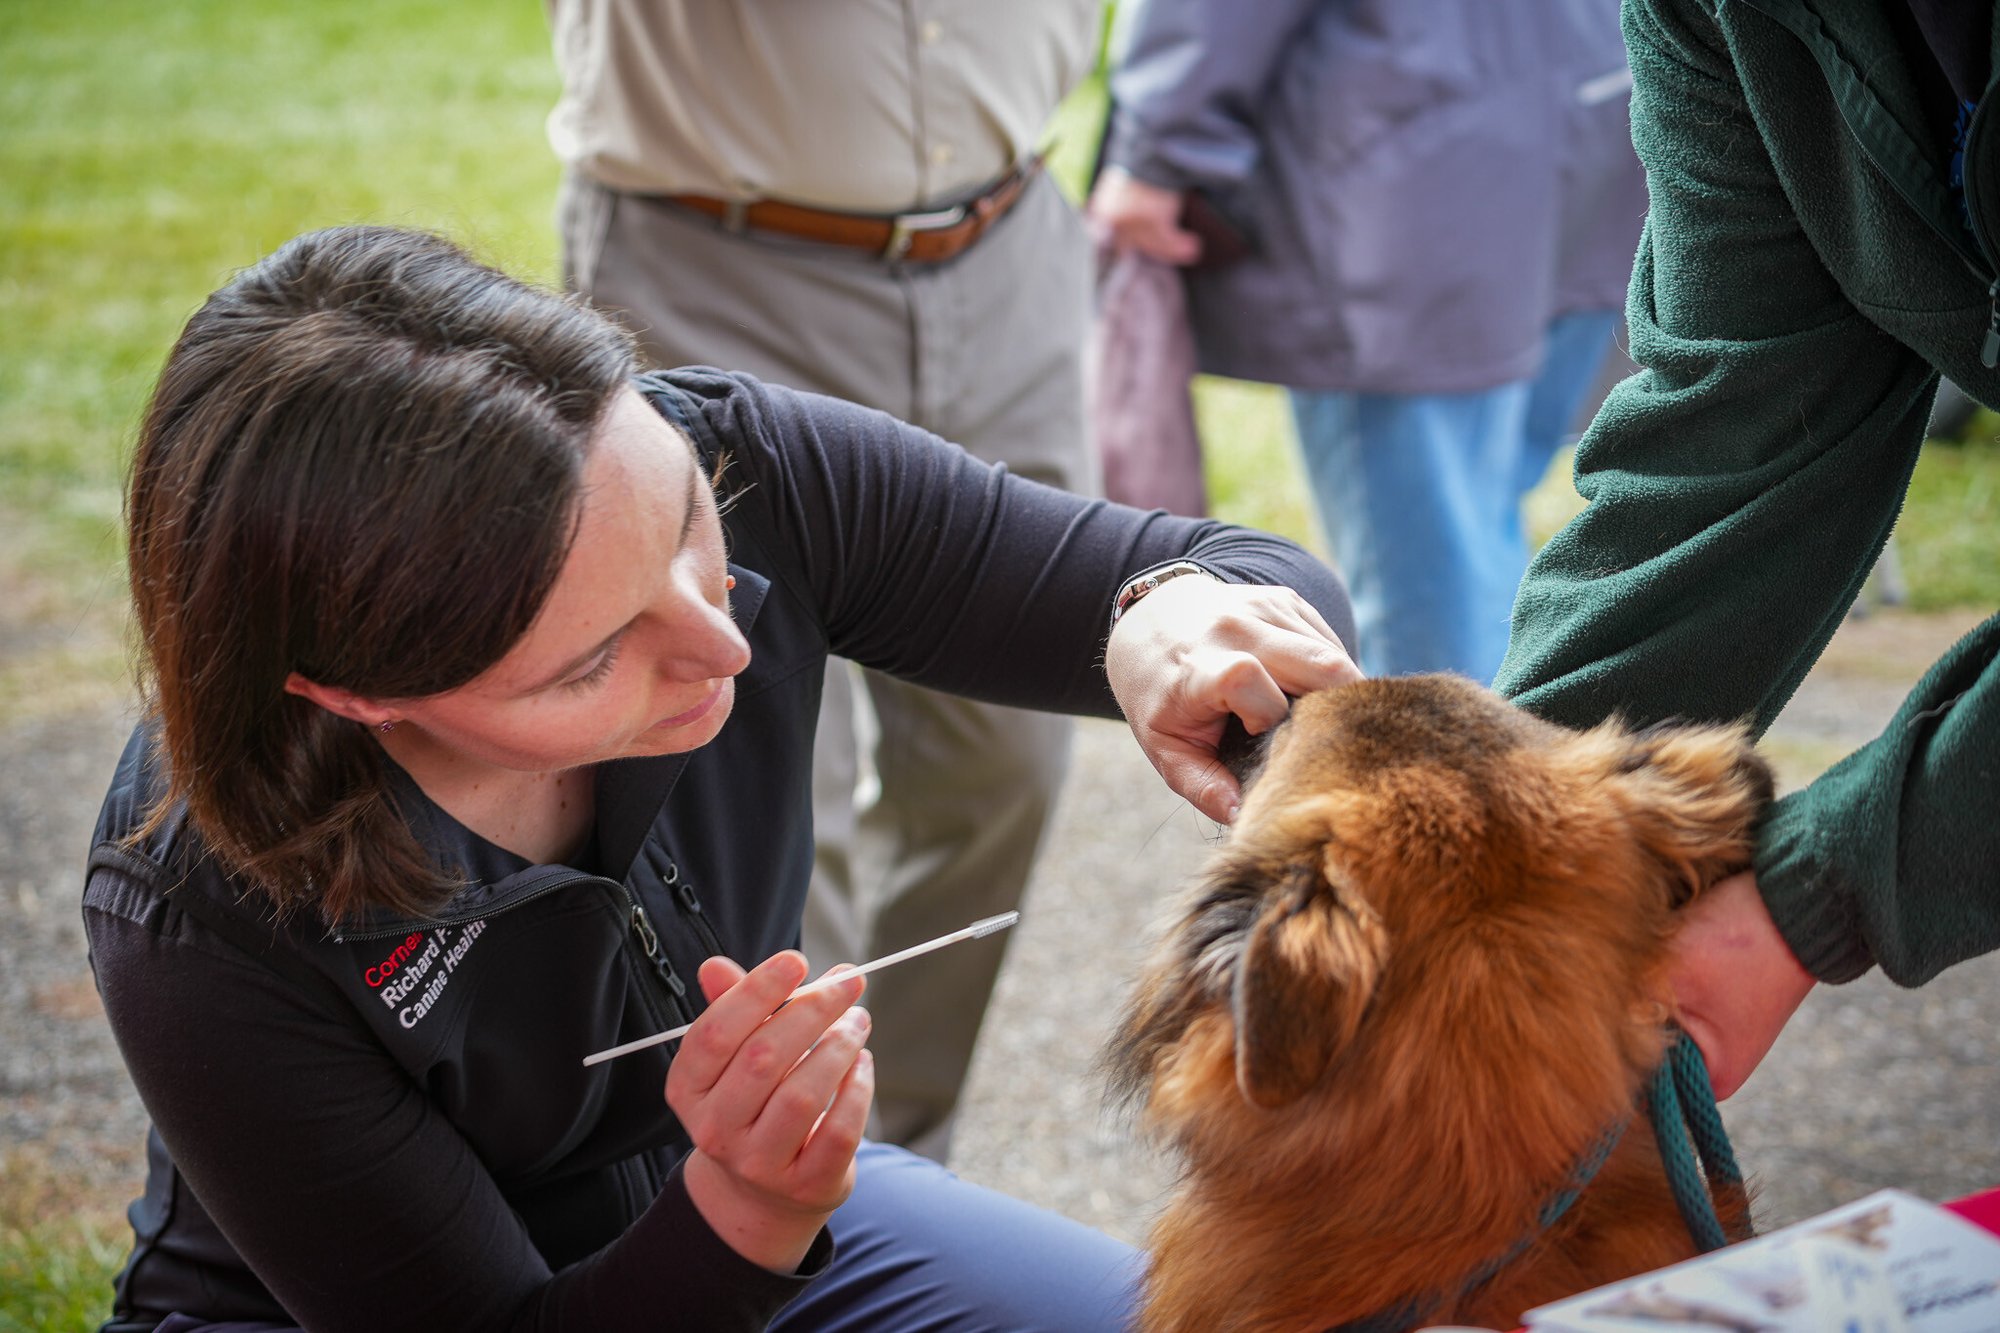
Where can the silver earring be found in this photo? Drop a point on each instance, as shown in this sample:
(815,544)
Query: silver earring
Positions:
(386,727)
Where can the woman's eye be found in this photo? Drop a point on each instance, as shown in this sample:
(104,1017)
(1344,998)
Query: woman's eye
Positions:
(597,673)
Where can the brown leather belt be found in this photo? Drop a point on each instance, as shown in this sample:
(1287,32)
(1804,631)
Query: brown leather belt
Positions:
(912,238)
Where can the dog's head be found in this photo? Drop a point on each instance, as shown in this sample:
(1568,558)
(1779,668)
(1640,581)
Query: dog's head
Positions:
(1426,889)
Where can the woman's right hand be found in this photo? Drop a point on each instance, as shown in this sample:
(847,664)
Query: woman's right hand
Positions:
(776,1100)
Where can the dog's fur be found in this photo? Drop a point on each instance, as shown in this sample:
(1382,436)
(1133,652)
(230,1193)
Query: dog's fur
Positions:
(1420,982)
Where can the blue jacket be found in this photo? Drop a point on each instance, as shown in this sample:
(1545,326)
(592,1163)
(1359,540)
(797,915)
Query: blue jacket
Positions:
(1424,184)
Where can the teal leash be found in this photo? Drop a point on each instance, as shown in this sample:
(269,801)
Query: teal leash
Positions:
(1694,1146)
(1415,1310)
(1559,1202)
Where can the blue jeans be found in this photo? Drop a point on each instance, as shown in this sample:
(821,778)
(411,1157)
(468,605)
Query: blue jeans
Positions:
(920,1251)
(1420,496)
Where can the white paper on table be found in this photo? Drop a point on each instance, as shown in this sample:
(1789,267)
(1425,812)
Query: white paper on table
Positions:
(1889,1263)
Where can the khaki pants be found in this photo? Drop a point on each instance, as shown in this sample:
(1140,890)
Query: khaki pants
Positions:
(986,351)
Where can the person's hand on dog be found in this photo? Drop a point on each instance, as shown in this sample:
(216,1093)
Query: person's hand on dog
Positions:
(1736,982)
(776,1100)
(1126,213)
(1193,651)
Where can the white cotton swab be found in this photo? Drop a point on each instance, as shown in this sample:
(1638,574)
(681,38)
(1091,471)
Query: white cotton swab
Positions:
(985,926)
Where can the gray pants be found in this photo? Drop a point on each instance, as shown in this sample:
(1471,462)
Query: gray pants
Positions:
(986,351)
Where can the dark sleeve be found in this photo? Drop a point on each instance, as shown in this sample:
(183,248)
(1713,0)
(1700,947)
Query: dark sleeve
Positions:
(1187,88)
(1739,489)
(336,1180)
(931,565)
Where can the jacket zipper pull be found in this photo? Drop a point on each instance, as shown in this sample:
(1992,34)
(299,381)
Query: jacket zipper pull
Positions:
(692,906)
(650,942)
(1989,351)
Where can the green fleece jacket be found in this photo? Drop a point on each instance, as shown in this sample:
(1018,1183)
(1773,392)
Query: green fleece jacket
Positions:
(1803,277)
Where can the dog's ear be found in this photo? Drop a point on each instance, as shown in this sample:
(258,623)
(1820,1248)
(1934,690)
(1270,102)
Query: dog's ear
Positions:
(1694,795)
(1307,974)
(1240,752)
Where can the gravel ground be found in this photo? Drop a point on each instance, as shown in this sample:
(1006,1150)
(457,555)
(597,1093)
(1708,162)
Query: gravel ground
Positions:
(70,1125)
(1870,1086)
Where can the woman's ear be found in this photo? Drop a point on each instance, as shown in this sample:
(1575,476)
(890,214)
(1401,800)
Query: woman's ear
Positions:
(342,703)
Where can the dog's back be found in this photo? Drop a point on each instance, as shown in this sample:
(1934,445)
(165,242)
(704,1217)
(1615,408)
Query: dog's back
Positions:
(1421,982)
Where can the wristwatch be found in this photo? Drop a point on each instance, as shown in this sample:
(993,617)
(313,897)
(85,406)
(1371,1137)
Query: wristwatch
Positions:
(1148,579)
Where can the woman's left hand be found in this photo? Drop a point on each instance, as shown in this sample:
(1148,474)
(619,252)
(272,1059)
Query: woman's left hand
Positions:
(1195,650)
(775,1095)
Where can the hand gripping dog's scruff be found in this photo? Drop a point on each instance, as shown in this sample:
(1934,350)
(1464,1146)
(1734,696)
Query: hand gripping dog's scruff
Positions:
(1411,1001)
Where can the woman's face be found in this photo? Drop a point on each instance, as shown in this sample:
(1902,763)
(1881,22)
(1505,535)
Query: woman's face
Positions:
(634,652)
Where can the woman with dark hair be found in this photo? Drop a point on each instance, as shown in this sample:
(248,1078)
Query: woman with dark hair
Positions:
(479,740)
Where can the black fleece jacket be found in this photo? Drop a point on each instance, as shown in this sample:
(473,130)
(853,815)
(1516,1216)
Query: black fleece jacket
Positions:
(389,1126)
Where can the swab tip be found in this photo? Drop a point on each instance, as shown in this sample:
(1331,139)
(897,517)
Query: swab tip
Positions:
(993,923)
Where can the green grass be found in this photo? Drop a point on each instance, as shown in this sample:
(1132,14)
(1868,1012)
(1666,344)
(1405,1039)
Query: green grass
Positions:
(58,1252)
(57,1276)
(1946,535)
(150,150)
(1250,459)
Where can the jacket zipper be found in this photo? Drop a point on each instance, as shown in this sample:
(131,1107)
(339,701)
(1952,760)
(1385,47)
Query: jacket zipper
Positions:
(649,944)
(542,887)
(1981,115)
(637,924)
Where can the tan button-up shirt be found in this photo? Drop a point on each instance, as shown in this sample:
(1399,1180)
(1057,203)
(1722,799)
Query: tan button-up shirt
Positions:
(875,106)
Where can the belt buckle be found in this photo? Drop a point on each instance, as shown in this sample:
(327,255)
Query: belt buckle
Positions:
(904,227)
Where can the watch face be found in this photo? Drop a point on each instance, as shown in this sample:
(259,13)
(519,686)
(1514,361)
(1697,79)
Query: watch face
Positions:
(1145,583)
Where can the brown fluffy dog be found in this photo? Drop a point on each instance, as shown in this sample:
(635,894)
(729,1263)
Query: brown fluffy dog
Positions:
(1420,983)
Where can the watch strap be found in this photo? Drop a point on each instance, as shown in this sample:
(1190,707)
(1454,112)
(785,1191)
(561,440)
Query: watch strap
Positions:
(1146,580)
